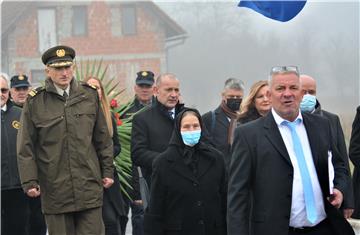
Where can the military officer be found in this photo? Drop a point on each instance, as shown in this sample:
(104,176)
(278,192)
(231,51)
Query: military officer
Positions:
(65,152)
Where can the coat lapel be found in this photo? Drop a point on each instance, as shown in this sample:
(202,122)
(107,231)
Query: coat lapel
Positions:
(222,119)
(272,133)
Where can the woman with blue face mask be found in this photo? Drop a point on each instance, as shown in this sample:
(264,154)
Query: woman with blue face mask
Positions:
(188,189)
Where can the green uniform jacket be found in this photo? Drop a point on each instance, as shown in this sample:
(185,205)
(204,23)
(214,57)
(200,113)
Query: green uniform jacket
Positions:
(65,147)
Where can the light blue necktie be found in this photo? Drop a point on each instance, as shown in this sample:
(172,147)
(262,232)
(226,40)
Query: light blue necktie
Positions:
(304,172)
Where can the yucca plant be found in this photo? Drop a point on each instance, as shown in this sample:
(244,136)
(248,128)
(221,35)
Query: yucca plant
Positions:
(122,162)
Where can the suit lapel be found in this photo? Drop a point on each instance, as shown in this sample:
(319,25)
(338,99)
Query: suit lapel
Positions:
(313,136)
(272,133)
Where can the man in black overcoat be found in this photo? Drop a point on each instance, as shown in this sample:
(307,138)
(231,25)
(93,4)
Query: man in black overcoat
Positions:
(354,153)
(282,163)
(152,128)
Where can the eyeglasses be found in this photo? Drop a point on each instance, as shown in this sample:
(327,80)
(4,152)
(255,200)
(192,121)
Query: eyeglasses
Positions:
(284,69)
(4,90)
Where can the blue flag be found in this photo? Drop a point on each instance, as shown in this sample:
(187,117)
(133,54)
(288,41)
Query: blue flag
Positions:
(277,10)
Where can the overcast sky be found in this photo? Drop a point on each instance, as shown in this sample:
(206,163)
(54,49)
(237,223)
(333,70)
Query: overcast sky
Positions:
(227,41)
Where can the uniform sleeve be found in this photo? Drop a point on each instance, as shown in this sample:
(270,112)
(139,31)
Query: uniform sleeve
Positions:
(103,144)
(26,139)
(354,150)
(239,186)
(154,216)
(140,151)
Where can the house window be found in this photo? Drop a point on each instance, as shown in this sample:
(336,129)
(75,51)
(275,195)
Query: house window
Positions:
(46,29)
(79,20)
(128,20)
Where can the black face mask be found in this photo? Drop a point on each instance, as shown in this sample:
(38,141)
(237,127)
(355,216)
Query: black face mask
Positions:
(233,104)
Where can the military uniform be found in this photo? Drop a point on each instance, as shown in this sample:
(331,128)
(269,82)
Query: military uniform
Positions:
(64,147)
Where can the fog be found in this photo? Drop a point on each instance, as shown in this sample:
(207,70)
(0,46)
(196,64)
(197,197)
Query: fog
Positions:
(227,41)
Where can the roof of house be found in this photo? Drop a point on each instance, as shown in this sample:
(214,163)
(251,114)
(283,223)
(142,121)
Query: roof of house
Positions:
(12,11)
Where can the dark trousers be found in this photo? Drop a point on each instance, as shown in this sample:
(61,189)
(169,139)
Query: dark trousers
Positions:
(323,228)
(14,212)
(137,218)
(111,217)
(37,225)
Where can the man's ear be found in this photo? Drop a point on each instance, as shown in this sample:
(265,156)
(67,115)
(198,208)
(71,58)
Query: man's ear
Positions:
(156,90)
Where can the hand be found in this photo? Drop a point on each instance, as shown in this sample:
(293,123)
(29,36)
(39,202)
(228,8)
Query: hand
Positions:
(107,182)
(336,198)
(347,213)
(138,202)
(33,192)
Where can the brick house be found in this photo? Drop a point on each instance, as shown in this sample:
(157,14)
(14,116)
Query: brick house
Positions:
(126,36)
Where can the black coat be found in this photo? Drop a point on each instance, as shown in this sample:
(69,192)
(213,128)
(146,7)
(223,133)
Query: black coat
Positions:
(339,141)
(150,135)
(134,192)
(354,153)
(261,169)
(218,130)
(113,194)
(184,202)
(10,123)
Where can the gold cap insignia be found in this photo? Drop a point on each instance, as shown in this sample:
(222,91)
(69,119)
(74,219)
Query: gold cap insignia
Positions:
(16,124)
(21,77)
(144,74)
(60,53)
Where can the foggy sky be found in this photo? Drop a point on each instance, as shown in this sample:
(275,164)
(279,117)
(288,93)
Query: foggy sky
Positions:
(227,41)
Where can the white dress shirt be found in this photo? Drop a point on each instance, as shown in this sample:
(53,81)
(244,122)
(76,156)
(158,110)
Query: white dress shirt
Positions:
(298,216)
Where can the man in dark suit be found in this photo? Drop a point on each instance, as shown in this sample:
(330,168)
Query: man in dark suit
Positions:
(221,122)
(311,104)
(354,153)
(279,172)
(152,128)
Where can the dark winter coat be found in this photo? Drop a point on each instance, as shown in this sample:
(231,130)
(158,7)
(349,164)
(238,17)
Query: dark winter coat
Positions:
(184,201)
(151,133)
(354,153)
(10,124)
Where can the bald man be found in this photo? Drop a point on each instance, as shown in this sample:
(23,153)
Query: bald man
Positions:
(310,104)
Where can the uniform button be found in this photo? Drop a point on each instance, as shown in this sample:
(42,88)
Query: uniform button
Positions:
(199,203)
(201,222)
(195,184)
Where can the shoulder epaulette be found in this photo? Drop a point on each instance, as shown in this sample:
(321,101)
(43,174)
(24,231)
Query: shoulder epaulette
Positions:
(35,91)
(88,85)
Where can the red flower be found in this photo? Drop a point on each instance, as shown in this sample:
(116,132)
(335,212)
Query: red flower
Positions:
(113,104)
(118,122)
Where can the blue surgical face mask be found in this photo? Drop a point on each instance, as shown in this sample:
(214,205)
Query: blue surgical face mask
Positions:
(308,103)
(191,138)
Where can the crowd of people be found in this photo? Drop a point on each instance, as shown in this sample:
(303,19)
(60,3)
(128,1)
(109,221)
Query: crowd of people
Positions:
(270,162)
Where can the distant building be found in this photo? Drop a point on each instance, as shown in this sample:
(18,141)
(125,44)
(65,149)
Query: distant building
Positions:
(127,36)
